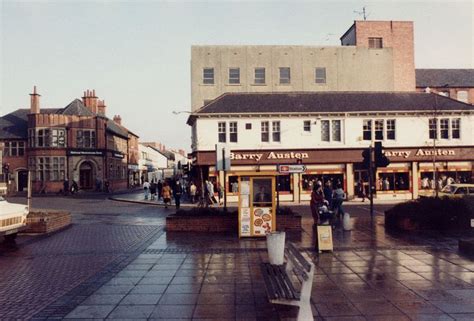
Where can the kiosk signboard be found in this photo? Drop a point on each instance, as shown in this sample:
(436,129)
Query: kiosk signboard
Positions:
(256,206)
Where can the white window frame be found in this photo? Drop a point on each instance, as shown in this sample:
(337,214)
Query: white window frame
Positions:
(276,130)
(222,132)
(330,130)
(233,132)
(265,130)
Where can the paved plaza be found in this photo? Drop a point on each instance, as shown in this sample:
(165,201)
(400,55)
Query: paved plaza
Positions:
(118,262)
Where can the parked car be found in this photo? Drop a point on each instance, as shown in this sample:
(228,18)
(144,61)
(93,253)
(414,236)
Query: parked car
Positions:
(457,190)
(12,219)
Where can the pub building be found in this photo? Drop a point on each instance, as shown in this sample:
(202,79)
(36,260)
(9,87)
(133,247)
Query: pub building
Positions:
(75,143)
(327,132)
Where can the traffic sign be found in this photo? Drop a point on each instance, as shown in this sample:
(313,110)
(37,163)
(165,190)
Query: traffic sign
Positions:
(287,169)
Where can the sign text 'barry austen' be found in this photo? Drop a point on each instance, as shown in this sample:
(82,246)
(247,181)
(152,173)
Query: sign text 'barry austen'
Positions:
(272,155)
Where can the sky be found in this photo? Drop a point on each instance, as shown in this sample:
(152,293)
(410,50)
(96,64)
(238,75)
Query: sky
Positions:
(136,54)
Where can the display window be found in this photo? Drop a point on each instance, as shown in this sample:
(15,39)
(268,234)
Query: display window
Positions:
(233,184)
(444,178)
(309,180)
(285,185)
(398,181)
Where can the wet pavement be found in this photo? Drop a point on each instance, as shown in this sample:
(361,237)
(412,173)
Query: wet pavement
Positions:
(132,269)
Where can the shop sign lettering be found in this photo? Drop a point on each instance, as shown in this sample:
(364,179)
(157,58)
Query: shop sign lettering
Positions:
(421,152)
(272,155)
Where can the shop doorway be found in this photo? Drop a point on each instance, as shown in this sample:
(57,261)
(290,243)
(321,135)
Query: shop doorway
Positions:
(22,180)
(85,175)
(361,183)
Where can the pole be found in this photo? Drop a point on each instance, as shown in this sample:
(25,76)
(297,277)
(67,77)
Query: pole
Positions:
(278,190)
(435,136)
(371,183)
(223,167)
(28,200)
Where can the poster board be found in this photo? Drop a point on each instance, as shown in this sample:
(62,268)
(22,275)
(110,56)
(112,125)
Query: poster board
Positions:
(256,205)
(325,238)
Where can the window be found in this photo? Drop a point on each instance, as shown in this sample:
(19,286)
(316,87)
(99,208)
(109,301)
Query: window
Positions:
(285,77)
(54,137)
(336,130)
(307,125)
(375,43)
(391,129)
(14,149)
(320,75)
(260,76)
(234,76)
(462,96)
(456,128)
(393,182)
(330,130)
(85,139)
(265,135)
(208,76)
(248,126)
(233,132)
(325,130)
(444,128)
(222,132)
(433,128)
(378,129)
(367,129)
(276,131)
(48,168)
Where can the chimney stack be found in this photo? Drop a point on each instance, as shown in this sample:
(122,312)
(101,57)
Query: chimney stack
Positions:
(90,100)
(35,102)
(118,119)
(101,107)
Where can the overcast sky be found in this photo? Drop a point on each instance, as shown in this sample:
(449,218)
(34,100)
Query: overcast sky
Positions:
(136,54)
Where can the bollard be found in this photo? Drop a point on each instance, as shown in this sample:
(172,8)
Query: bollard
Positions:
(346,222)
(276,247)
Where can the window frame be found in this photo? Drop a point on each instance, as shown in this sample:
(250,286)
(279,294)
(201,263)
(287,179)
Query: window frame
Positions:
(222,132)
(276,131)
(284,80)
(307,126)
(233,132)
(379,129)
(321,80)
(206,79)
(455,128)
(375,42)
(367,129)
(234,76)
(259,80)
(265,131)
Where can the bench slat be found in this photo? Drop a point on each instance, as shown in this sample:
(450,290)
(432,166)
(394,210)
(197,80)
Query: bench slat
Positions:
(282,280)
(269,285)
(302,261)
(294,293)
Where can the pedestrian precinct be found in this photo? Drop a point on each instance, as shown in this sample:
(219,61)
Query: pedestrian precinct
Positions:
(146,189)
(166,194)
(177,192)
(338,198)
(159,188)
(192,192)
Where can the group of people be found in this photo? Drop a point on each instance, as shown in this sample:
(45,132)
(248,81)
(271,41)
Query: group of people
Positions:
(326,199)
(162,190)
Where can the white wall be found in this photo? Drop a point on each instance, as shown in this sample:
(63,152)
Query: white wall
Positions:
(411,131)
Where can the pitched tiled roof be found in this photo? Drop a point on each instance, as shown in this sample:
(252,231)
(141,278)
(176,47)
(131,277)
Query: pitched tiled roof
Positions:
(116,129)
(329,102)
(77,108)
(14,125)
(444,77)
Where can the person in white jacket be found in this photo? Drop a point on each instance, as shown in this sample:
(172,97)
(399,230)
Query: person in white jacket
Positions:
(146,189)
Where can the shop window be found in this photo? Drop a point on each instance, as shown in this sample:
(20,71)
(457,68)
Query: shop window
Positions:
(208,76)
(221,132)
(233,132)
(444,178)
(276,131)
(320,75)
(233,184)
(265,136)
(234,76)
(393,182)
(456,128)
(259,76)
(332,180)
(307,125)
(367,129)
(444,128)
(284,183)
(391,129)
(378,124)
(285,75)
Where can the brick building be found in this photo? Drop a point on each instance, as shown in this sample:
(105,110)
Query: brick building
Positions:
(455,83)
(75,143)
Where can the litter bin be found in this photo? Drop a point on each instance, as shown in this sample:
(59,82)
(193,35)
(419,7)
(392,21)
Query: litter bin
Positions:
(276,247)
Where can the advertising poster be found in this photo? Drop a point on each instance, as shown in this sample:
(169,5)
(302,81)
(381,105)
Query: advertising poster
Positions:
(262,220)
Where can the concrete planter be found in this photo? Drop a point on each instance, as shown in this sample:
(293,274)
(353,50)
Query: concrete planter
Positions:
(46,221)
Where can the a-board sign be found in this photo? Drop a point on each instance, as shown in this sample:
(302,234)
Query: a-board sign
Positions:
(287,169)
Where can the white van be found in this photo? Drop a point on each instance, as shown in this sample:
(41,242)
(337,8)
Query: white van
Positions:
(12,219)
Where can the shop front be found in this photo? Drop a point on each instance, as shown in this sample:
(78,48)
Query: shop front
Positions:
(408,175)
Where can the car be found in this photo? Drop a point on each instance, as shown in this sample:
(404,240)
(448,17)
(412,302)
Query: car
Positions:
(12,219)
(457,190)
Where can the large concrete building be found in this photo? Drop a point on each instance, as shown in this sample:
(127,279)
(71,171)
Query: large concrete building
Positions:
(374,56)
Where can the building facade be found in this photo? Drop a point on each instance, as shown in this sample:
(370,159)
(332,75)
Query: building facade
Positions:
(75,143)
(374,56)
(327,132)
(152,163)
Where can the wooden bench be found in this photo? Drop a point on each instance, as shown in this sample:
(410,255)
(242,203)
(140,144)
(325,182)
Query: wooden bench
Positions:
(290,283)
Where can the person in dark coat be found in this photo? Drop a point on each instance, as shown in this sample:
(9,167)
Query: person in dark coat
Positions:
(177,192)
(152,190)
(66,187)
(317,200)
(328,193)
(159,188)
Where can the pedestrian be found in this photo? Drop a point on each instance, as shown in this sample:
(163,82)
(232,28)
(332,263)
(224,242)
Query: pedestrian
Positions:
(66,187)
(152,190)
(177,192)
(159,188)
(317,200)
(328,193)
(386,184)
(361,187)
(338,198)
(192,192)
(220,193)
(98,184)
(107,185)
(146,189)
(166,194)
(210,192)
(74,187)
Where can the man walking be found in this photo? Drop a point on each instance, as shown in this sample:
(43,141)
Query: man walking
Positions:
(177,192)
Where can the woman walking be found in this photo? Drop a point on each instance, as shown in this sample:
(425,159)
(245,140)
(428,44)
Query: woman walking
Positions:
(166,193)
(317,200)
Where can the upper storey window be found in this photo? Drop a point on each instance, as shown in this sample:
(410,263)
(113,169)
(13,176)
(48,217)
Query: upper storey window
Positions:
(234,76)
(208,76)
(260,76)
(285,75)
(375,43)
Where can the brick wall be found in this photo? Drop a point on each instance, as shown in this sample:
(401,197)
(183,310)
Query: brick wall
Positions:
(43,221)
